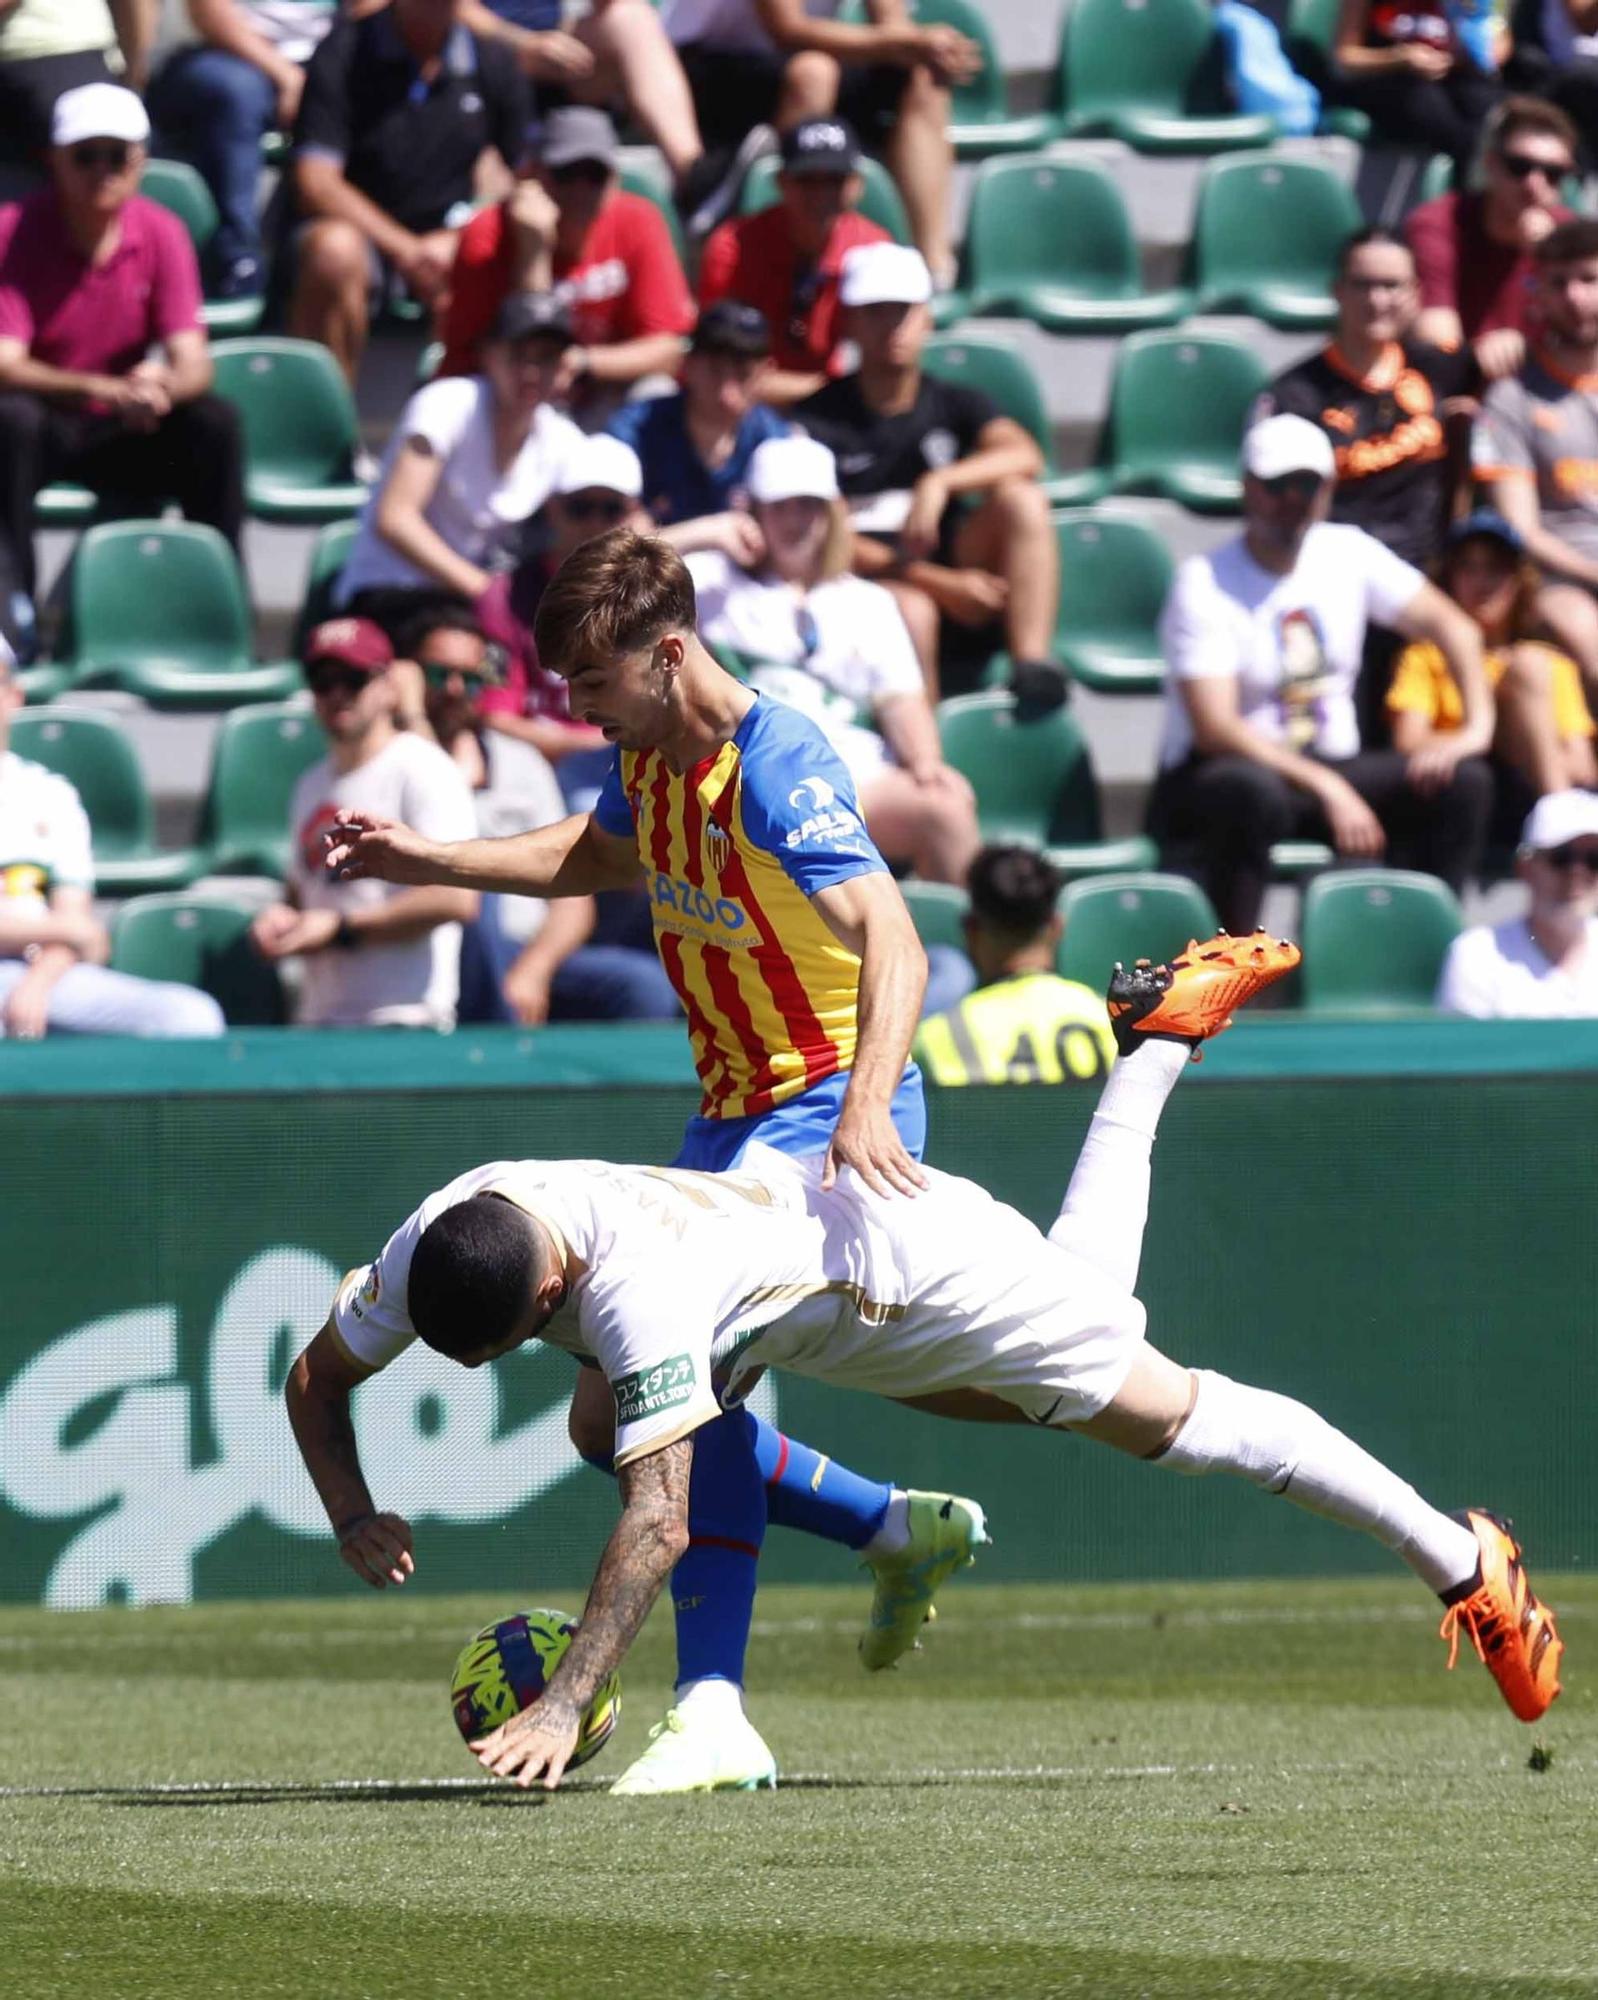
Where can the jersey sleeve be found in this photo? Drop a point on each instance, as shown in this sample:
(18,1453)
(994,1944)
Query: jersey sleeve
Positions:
(719,264)
(371,1313)
(1501,442)
(798,803)
(650,1329)
(613,814)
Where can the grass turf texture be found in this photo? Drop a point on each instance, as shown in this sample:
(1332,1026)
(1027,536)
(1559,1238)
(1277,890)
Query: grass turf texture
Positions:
(1173,1791)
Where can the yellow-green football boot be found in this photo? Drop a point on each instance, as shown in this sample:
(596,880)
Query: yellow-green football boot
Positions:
(945,1534)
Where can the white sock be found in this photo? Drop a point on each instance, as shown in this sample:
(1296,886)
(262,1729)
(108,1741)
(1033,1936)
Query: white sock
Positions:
(1284,1447)
(893,1530)
(1106,1207)
(712,1700)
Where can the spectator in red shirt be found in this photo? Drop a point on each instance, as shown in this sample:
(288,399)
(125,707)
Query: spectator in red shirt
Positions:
(570,229)
(1473,252)
(786,259)
(105,374)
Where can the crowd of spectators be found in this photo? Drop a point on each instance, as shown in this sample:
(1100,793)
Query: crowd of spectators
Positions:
(1395,655)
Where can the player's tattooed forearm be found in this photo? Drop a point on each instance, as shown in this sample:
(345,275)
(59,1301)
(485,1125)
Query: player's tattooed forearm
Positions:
(639,1556)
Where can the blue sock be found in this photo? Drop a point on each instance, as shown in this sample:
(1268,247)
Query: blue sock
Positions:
(808,1491)
(713,1586)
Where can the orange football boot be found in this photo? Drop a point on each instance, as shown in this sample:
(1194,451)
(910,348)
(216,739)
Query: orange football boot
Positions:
(1512,1631)
(1193,997)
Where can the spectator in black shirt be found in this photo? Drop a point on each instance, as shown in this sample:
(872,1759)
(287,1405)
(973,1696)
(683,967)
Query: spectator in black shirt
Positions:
(907,446)
(403,114)
(1382,398)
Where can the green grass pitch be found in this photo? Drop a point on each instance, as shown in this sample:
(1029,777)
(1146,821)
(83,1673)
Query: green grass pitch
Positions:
(1250,1789)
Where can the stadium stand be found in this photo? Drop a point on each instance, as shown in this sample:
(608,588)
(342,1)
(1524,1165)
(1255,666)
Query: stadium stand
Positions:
(260,754)
(300,429)
(204,941)
(881,202)
(93,754)
(1146,71)
(1114,573)
(1266,237)
(176,186)
(1375,939)
(1118,919)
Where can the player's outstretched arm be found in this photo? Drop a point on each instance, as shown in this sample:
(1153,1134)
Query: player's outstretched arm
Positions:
(535,1746)
(376,1546)
(574,857)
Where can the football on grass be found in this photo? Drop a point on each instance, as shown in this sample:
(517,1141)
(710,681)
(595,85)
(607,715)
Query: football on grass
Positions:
(506,1669)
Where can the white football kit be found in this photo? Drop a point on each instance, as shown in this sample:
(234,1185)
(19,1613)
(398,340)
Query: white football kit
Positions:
(689,1282)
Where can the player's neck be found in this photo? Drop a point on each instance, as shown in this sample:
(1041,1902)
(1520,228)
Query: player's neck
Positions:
(709,707)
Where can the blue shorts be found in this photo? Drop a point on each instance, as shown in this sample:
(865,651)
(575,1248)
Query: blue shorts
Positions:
(804,1124)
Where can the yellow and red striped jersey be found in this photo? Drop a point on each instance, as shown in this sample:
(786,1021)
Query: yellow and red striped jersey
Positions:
(733,849)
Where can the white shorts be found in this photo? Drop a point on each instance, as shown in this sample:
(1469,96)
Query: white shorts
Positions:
(985,1301)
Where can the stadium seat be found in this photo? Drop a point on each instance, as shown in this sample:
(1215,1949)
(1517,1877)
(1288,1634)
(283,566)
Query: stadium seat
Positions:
(1050,241)
(1376,938)
(64,506)
(88,749)
(1298,860)
(1002,372)
(201,941)
(642,175)
(1308,40)
(881,201)
(259,757)
(329,553)
(1114,575)
(1148,72)
(1266,238)
(1121,918)
(157,608)
(980,119)
(176,186)
(938,910)
(1034,782)
(300,430)
(1178,407)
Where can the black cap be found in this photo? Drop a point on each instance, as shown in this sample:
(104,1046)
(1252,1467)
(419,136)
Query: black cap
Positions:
(533,316)
(731,327)
(820,146)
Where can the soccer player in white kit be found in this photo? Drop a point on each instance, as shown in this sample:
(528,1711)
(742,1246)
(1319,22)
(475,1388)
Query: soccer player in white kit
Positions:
(683,1286)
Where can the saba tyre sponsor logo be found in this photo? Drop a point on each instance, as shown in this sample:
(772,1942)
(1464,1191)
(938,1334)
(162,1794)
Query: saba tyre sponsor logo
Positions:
(824,818)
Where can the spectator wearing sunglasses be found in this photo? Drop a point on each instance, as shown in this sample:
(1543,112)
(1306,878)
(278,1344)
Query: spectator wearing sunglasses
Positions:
(569,227)
(472,458)
(1474,249)
(786,260)
(372,954)
(1263,639)
(105,373)
(1544,965)
(524,959)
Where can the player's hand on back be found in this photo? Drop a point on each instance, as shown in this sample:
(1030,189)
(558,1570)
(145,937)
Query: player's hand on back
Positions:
(867,1139)
(378,1548)
(534,1747)
(362,843)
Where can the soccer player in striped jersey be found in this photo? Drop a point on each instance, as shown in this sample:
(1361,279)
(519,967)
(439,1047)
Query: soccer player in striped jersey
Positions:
(801,976)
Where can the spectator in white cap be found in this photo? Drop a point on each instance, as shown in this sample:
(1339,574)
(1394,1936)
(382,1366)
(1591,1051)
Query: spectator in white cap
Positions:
(1543,965)
(908,446)
(472,458)
(48,47)
(1263,638)
(105,373)
(833,645)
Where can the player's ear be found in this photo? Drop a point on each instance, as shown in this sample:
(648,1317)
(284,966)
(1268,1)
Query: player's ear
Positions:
(670,652)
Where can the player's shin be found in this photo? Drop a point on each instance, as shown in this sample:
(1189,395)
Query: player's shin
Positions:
(713,1585)
(1106,1207)
(1283,1447)
(808,1491)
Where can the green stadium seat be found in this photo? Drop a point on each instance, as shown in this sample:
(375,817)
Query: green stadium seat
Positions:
(64,506)
(1375,939)
(259,758)
(938,911)
(1298,860)
(1266,238)
(1034,782)
(1121,918)
(44,682)
(300,430)
(980,120)
(1050,241)
(1309,38)
(1178,407)
(329,553)
(1148,72)
(645,177)
(201,941)
(1003,373)
(91,752)
(881,201)
(176,186)
(1115,572)
(157,608)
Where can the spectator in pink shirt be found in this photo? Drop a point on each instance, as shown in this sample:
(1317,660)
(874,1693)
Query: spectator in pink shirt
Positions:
(105,375)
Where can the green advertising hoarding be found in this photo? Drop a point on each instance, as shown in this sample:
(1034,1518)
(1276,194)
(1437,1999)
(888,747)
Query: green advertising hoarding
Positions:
(1391,1221)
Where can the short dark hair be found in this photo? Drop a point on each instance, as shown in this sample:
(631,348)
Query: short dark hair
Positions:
(1531,114)
(1013,890)
(441,618)
(1568,242)
(617,593)
(472,1275)
(1362,239)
